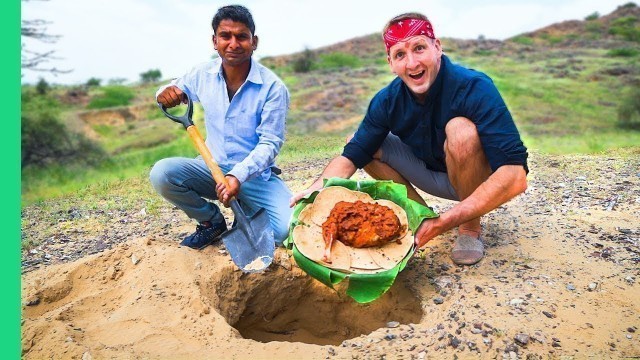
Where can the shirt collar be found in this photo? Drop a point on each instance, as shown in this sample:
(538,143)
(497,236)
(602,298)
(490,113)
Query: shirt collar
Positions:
(254,72)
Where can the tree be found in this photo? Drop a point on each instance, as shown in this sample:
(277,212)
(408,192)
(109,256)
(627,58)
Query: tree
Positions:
(150,76)
(117,81)
(93,82)
(32,60)
(304,62)
(42,86)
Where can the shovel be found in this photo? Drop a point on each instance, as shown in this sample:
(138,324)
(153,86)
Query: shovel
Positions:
(250,243)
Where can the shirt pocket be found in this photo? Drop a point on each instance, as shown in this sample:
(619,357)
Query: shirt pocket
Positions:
(244,125)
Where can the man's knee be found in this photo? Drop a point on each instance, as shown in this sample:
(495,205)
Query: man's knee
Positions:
(462,138)
(280,230)
(159,175)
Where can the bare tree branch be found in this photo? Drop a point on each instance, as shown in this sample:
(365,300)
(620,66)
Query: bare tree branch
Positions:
(31,60)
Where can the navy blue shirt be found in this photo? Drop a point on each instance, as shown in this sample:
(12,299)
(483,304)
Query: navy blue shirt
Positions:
(457,91)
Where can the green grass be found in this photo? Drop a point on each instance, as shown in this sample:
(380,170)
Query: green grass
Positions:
(111,96)
(310,147)
(588,143)
(623,52)
(53,181)
(338,60)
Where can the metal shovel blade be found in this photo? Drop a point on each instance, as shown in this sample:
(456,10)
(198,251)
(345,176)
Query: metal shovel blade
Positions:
(250,243)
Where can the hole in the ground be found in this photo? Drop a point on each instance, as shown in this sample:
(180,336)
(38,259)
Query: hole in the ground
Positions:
(283,305)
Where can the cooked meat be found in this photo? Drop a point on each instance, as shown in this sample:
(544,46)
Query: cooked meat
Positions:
(359,225)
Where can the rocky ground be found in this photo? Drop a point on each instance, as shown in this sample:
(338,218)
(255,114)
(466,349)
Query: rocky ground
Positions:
(560,280)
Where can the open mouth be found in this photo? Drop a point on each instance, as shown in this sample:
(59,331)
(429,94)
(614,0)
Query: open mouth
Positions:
(417,76)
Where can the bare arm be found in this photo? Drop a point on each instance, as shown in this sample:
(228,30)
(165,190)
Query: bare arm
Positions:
(503,185)
(338,167)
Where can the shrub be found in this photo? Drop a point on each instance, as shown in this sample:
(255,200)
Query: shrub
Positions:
(117,81)
(42,87)
(483,52)
(523,40)
(112,96)
(45,140)
(150,76)
(626,28)
(594,27)
(623,52)
(305,62)
(93,82)
(555,40)
(338,60)
(593,16)
(629,110)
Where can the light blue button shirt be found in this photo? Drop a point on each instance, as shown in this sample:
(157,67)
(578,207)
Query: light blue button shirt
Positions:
(246,133)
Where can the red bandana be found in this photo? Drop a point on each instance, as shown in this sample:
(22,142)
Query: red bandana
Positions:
(407,28)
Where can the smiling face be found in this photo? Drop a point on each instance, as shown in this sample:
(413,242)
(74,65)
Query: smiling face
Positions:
(416,61)
(234,42)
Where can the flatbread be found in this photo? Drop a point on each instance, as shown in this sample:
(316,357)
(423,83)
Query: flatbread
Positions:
(361,259)
(309,241)
(366,271)
(389,255)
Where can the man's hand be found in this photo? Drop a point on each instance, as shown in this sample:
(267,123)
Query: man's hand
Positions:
(171,96)
(226,193)
(296,197)
(340,166)
(429,229)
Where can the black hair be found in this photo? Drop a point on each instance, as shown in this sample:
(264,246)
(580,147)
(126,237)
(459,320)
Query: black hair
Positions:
(236,13)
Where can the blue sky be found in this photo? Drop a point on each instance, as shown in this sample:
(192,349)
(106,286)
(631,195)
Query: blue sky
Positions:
(122,38)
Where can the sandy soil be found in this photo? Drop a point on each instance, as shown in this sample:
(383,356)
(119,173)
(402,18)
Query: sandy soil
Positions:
(560,280)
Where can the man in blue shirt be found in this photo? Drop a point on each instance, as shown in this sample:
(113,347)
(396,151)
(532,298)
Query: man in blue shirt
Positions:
(245,106)
(441,128)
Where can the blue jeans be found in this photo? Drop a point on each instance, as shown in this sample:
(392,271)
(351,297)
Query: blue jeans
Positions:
(187,183)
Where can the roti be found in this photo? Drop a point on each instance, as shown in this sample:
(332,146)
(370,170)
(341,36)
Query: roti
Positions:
(361,259)
(309,241)
(389,255)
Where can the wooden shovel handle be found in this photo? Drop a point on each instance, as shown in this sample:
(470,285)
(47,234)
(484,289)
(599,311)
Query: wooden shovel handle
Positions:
(197,140)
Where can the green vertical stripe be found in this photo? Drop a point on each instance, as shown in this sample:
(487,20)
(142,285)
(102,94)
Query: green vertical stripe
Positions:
(10,149)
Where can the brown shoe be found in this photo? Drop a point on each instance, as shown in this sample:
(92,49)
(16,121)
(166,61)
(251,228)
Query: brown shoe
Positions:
(467,250)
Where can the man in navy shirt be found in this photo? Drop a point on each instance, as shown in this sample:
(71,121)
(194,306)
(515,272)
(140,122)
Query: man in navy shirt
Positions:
(439,127)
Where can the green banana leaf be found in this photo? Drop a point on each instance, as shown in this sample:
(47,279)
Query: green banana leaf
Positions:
(363,288)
